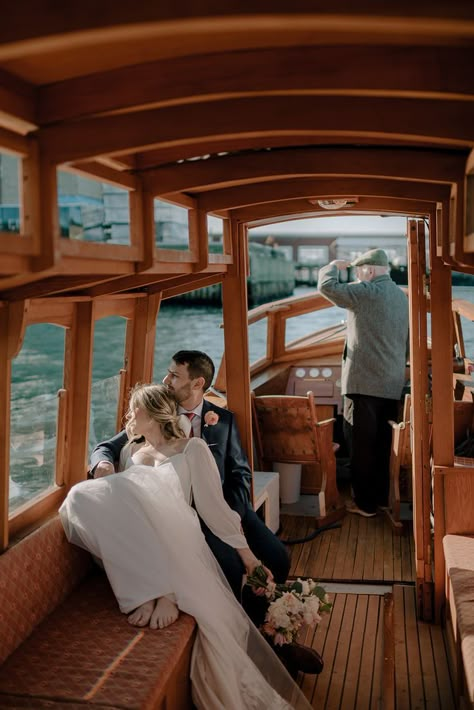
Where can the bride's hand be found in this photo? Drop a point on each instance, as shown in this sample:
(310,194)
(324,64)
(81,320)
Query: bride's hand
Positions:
(260,591)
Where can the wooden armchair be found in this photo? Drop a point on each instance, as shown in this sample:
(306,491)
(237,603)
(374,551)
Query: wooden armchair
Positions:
(287,430)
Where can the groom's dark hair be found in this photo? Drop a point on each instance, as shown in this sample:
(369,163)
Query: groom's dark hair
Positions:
(198,363)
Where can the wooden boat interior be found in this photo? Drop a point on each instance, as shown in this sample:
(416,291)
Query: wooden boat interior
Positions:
(118,120)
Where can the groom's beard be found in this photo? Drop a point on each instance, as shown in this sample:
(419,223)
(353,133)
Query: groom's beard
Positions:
(182,393)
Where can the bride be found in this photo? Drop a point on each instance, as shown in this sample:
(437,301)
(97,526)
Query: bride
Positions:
(141,524)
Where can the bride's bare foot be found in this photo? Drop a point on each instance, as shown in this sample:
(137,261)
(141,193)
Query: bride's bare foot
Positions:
(165,613)
(142,614)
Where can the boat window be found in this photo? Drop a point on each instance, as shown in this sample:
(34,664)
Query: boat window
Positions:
(108,360)
(9,193)
(257,335)
(466,293)
(215,230)
(92,211)
(304,326)
(190,322)
(37,375)
(171,225)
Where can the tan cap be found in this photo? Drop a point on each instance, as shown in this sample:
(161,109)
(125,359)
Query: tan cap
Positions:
(373,257)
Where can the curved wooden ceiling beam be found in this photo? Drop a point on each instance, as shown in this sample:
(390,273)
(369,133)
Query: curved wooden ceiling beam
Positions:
(449,123)
(232,170)
(28,28)
(298,209)
(363,70)
(318,188)
(171,154)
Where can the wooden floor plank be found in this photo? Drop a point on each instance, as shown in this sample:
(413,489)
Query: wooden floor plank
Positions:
(444,680)
(338,572)
(353,666)
(397,558)
(301,566)
(352,544)
(365,689)
(428,670)
(323,683)
(378,548)
(333,537)
(407,561)
(388,572)
(318,562)
(338,676)
(413,649)
(377,683)
(402,690)
(369,548)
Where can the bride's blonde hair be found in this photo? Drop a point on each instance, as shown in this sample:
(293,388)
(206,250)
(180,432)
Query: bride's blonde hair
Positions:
(160,405)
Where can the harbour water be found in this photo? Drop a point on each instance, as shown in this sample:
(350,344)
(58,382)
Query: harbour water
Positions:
(37,374)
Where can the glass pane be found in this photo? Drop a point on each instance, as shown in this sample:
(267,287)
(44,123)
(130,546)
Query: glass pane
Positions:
(171,226)
(300,326)
(9,193)
(257,340)
(108,360)
(37,374)
(92,211)
(186,326)
(215,231)
(466,293)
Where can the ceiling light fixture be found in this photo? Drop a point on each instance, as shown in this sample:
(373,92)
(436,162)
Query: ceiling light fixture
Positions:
(335,204)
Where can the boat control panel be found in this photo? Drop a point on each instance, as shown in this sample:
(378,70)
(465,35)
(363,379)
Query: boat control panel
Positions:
(323,380)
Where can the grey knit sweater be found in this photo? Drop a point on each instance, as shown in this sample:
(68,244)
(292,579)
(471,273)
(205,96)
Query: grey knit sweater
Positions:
(377,333)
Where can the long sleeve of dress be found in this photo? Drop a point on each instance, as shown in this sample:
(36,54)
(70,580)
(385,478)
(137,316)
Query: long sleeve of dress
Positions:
(206,491)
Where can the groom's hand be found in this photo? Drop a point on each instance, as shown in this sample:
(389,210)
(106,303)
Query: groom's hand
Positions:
(103,468)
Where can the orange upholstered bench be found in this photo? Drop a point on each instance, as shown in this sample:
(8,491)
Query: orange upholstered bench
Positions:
(64,642)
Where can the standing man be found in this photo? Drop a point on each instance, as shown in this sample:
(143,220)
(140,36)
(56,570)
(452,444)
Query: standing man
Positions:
(189,375)
(373,370)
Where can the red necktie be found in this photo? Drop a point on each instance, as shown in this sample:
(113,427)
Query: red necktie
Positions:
(190,416)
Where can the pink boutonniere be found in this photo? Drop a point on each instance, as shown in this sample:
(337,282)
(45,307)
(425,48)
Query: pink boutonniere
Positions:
(211,418)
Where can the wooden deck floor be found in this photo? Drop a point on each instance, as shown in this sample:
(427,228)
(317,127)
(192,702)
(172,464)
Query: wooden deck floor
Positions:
(373,658)
(362,549)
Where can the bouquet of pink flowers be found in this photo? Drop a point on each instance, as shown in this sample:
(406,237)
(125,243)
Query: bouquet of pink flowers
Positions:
(292,605)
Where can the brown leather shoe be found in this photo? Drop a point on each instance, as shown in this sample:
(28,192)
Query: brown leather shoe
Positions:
(296,657)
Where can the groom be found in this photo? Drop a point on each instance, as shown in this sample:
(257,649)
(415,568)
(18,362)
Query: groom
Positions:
(189,375)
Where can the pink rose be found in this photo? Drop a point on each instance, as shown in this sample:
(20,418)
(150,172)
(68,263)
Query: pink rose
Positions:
(211,418)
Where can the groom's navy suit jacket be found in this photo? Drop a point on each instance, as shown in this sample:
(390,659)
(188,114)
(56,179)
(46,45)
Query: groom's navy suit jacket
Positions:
(224,443)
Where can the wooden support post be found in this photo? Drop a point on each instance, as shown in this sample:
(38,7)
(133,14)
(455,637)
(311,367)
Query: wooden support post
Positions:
(12,331)
(443,415)
(234,303)
(420,406)
(43,212)
(142,226)
(77,380)
(141,339)
(199,238)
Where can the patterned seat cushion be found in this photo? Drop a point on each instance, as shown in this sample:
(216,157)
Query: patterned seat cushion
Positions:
(86,652)
(36,575)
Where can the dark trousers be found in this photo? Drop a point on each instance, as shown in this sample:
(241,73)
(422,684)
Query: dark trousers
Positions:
(265,546)
(368,436)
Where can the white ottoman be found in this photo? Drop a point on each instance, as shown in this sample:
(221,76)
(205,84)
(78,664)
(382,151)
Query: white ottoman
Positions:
(266,491)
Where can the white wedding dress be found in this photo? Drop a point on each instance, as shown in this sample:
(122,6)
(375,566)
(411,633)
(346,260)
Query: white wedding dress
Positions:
(141,525)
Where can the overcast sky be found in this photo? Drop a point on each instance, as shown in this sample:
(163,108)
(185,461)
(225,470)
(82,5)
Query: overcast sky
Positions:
(353,224)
